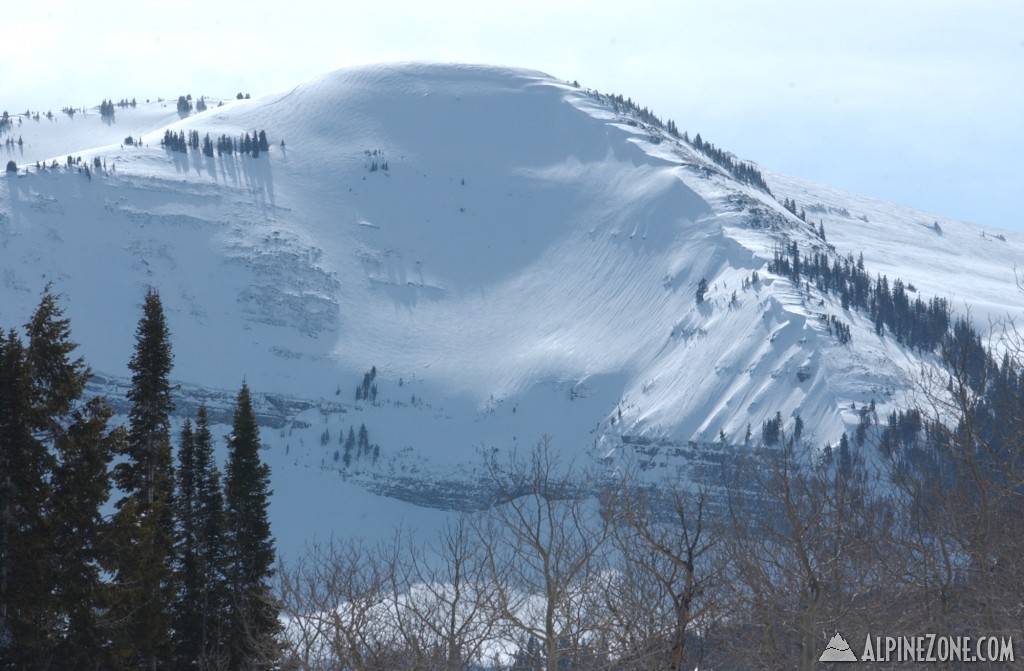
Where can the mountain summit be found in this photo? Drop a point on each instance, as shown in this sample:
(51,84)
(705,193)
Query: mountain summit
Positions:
(456,258)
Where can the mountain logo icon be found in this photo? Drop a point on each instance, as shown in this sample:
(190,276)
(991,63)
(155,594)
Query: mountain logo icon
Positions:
(838,650)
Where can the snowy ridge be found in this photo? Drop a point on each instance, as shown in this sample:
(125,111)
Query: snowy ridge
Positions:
(522,261)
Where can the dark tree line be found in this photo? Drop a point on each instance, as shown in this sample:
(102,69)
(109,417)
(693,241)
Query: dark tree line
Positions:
(620,104)
(367,390)
(985,389)
(353,448)
(910,320)
(185,104)
(178,577)
(838,328)
(107,107)
(744,172)
(790,205)
(175,141)
(251,145)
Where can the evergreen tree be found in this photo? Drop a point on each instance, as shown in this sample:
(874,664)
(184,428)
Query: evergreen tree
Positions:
(81,487)
(771,430)
(148,474)
(364,440)
(702,290)
(350,444)
(187,555)
(53,482)
(56,381)
(81,446)
(200,513)
(251,625)
(24,534)
(212,550)
(144,523)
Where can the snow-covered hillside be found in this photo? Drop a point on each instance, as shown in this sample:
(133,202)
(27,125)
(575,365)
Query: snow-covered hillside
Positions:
(513,256)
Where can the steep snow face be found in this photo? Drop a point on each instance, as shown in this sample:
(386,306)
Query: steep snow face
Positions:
(514,256)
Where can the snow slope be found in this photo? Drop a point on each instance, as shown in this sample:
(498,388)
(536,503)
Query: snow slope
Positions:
(525,265)
(55,135)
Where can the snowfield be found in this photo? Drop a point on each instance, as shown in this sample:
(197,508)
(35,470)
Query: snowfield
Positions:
(514,257)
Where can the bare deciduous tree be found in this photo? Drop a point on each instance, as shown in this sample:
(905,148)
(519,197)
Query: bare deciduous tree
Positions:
(335,604)
(546,549)
(665,582)
(803,541)
(442,596)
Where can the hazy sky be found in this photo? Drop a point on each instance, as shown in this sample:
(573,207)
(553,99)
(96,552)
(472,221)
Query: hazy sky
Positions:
(920,102)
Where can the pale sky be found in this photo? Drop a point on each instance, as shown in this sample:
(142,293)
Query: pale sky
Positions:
(919,102)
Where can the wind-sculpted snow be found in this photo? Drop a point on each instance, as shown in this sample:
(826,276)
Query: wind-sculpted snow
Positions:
(512,256)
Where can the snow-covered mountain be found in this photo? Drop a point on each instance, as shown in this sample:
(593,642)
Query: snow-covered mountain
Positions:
(509,254)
